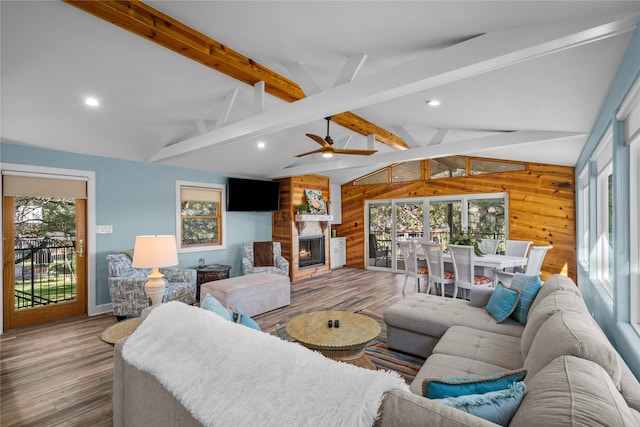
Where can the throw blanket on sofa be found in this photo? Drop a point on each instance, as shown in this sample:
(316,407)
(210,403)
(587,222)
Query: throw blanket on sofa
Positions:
(226,374)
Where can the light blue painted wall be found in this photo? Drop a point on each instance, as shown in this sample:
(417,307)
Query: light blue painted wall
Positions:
(139,198)
(613,315)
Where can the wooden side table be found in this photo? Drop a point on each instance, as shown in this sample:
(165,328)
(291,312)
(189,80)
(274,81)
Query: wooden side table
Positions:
(209,273)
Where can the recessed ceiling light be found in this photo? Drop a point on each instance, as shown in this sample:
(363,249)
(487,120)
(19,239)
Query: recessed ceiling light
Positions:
(91,101)
(433,102)
(261,144)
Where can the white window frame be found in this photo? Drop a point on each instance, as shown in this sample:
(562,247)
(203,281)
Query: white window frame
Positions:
(603,157)
(583,226)
(223,213)
(634,255)
(629,112)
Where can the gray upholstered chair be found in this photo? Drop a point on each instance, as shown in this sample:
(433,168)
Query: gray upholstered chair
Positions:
(280,264)
(126,285)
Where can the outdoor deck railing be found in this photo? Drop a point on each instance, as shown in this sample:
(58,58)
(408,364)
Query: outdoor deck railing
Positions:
(44,272)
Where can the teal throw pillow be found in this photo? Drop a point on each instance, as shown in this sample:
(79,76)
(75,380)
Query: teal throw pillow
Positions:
(503,302)
(495,406)
(241,317)
(212,304)
(528,287)
(455,387)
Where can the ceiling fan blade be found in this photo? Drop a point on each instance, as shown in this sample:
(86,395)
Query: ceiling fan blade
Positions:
(319,150)
(358,152)
(320,140)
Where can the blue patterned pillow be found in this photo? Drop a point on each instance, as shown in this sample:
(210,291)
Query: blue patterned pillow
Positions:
(496,406)
(528,287)
(212,304)
(503,302)
(455,387)
(241,317)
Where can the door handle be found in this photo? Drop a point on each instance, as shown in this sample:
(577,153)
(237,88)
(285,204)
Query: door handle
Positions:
(80,248)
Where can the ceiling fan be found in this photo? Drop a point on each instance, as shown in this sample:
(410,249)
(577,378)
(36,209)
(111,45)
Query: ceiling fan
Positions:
(327,149)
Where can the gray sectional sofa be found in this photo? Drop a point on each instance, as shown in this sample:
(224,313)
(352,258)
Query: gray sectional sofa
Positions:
(574,377)
(572,369)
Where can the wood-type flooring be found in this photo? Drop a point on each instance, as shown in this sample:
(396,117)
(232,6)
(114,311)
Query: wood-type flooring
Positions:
(60,373)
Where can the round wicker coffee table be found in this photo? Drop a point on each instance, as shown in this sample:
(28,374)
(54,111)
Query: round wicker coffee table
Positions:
(345,343)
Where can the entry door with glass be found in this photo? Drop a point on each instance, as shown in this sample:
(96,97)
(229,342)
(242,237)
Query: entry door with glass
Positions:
(44,226)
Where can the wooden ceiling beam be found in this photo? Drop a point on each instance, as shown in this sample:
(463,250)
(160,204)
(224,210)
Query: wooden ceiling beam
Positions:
(145,21)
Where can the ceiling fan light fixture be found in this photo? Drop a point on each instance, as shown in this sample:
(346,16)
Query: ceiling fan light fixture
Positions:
(327,154)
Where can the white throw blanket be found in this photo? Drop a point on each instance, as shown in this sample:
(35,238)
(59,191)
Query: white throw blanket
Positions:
(226,374)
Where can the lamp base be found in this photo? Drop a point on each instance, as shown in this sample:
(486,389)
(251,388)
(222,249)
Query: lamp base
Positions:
(155,287)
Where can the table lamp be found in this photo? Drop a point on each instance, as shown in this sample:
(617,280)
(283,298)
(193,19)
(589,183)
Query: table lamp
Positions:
(154,252)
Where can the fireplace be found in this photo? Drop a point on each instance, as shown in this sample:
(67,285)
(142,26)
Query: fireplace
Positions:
(311,251)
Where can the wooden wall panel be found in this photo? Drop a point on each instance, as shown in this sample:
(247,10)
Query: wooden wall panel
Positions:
(541,209)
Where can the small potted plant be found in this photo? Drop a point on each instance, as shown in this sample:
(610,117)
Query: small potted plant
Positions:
(466,240)
(303,209)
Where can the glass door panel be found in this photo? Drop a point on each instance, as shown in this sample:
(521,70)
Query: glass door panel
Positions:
(486,219)
(409,225)
(379,240)
(445,221)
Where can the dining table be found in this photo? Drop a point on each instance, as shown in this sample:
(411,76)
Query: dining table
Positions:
(493,262)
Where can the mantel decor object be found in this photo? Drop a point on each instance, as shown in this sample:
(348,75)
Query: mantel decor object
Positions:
(315,202)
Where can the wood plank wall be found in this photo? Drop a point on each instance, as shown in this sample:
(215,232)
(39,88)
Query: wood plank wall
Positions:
(541,209)
(286,230)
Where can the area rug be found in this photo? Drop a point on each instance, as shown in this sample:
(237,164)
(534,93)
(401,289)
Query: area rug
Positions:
(407,365)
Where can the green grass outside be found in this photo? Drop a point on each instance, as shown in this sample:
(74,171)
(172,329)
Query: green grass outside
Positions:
(48,288)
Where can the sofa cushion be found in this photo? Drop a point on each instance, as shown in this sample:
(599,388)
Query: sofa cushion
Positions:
(570,391)
(495,406)
(552,284)
(503,302)
(575,334)
(212,304)
(528,287)
(432,315)
(448,366)
(557,301)
(483,346)
(439,388)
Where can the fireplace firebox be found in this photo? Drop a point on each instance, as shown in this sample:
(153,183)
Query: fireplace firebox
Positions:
(311,251)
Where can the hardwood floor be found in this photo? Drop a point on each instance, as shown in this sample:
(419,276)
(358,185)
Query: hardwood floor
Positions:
(60,373)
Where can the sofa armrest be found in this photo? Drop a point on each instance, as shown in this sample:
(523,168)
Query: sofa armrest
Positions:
(283,264)
(401,408)
(247,265)
(183,275)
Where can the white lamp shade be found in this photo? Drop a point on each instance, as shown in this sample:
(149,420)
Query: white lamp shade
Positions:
(155,251)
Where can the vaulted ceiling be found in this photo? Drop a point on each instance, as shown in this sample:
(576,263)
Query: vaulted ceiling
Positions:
(181,83)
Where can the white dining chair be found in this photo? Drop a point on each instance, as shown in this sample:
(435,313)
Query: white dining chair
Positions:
(533,268)
(462,257)
(435,262)
(516,248)
(411,267)
(489,246)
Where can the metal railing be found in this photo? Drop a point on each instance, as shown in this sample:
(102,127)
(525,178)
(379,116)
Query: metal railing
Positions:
(44,272)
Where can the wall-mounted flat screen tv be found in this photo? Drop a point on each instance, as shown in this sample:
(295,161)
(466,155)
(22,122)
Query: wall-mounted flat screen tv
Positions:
(250,195)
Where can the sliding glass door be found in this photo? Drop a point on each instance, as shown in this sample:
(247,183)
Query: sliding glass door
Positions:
(482,215)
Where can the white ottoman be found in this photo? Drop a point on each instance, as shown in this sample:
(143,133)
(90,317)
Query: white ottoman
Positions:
(254,293)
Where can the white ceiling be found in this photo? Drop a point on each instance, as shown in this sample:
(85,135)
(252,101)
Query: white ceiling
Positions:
(529,89)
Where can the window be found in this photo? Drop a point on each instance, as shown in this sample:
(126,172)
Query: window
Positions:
(447,167)
(634,198)
(200,216)
(583,226)
(479,166)
(604,214)
(409,171)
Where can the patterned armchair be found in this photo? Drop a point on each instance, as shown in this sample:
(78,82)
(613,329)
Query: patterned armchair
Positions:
(126,286)
(280,264)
